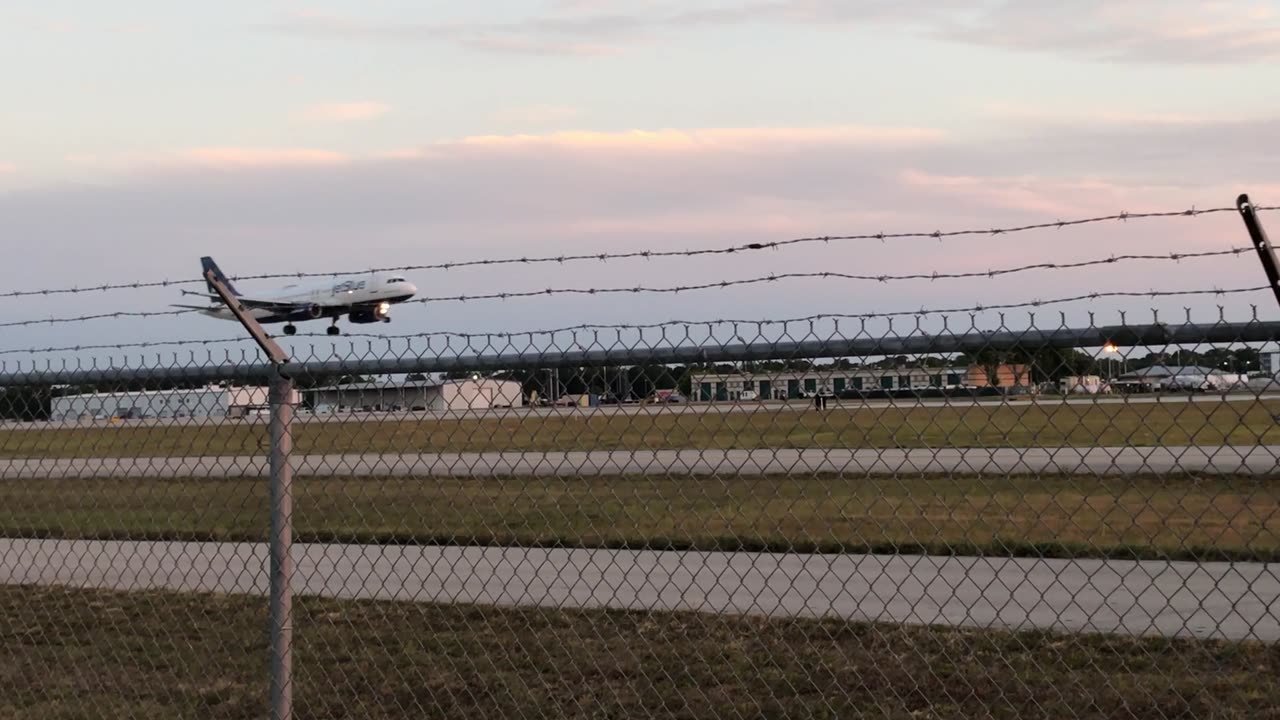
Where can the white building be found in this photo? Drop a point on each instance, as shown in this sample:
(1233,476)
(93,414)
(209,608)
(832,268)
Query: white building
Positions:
(1172,377)
(1081,385)
(211,401)
(1270,361)
(786,385)
(483,394)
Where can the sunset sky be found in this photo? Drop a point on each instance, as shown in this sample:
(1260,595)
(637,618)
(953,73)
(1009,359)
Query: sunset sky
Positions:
(316,136)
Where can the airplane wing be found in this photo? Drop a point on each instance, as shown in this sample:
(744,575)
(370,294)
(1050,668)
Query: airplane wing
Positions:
(248,302)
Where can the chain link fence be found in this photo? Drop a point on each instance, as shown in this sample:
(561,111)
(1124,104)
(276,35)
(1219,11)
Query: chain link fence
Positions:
(796,520)
(977,512)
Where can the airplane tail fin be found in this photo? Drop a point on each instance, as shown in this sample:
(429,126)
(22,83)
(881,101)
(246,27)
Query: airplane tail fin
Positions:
(207,264)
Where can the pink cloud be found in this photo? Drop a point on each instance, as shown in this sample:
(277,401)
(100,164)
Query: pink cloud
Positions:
(1168,31)
(718,138)
(1036,194)
(760,216)
(1165,31)
(1021,194)
(599,27)
(7,168)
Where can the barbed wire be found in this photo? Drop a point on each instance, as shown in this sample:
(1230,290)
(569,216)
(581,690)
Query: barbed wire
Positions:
(828,275)
(923,312)
(645,254)
(719,285)
(99,316)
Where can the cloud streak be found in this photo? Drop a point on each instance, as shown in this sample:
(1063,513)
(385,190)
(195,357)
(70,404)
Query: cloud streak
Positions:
(1147,31)
(762,139)
(588,29)
(1143,31)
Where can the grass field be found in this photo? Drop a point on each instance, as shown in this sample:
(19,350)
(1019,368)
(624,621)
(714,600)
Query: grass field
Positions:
(78,654)
(1149,424)
(1210,518)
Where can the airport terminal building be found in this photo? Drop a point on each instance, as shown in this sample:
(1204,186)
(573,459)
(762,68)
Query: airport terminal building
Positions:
(710,387)
(212,401)
(418,395)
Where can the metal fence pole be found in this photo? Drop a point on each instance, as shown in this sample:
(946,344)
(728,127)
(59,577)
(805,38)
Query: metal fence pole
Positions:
(1266,252)
(281,401)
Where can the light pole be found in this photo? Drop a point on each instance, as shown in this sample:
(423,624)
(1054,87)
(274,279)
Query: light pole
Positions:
(1110,349)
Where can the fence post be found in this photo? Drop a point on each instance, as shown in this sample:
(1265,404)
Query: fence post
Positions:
(1266,252)
(281,613)
(280,400)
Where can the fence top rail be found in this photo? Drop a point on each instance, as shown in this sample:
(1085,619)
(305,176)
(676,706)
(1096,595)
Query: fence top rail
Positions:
(403,362)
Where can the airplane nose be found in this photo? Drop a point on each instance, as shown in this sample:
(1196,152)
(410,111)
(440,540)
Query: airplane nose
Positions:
(411,288)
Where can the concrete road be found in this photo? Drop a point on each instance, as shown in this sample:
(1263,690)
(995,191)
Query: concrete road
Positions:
(1175,599)
(1245,460)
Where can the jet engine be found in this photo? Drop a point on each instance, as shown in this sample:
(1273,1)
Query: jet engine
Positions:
(379,313)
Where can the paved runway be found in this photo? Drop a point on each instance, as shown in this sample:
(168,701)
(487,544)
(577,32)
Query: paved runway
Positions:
(1245,460)
(1210,600)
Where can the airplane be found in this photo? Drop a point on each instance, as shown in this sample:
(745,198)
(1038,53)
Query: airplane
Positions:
(365,298)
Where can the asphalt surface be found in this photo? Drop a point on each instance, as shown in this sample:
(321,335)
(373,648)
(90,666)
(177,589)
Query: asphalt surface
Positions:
(1235,601)
(1243,460)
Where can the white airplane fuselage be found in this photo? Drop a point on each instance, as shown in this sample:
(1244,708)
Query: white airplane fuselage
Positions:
(364,298)
(370,292)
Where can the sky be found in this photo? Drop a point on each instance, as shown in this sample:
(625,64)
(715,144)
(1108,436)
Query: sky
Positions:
(291,136)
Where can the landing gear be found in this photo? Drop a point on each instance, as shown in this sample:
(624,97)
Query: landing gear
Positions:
(290,329)
(333,329)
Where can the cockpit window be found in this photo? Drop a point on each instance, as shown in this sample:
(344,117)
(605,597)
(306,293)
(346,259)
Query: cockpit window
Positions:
(395,280)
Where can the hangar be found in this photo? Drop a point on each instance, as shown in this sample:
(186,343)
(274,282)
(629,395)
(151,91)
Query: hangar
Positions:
(210,401)
(834,381)
(442,395)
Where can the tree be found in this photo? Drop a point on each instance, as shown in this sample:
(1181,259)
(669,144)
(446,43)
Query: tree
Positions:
(1248,360)
(990,361)
(26,404)
(1052,364)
